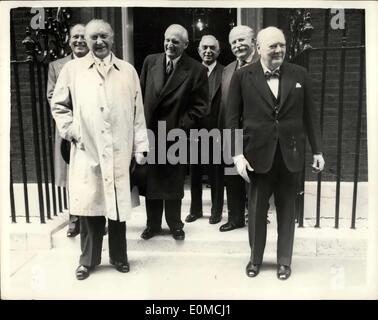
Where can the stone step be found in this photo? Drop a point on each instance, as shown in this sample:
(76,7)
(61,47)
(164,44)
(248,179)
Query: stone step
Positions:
(201,237)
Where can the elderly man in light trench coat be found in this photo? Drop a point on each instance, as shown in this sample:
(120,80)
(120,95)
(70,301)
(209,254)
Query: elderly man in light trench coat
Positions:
(97,105)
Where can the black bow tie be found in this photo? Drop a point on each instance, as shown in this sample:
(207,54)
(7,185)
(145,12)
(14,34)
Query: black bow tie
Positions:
(272,75)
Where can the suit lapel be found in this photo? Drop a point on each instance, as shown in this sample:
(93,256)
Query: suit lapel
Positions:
(287,83)
(178,76)
(218,79)
(259,81)
(158,72)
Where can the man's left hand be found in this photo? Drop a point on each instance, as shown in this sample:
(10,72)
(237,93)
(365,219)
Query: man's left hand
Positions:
(140,158)
(318,163)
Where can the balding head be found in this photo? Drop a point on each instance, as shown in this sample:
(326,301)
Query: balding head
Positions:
(175,41)
(271,45)
(99,36)
(208,49)
(241,39)
(77,41)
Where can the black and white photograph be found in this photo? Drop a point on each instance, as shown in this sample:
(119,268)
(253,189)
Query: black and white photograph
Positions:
(189,150)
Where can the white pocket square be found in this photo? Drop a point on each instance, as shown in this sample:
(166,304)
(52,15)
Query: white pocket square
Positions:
(298,85)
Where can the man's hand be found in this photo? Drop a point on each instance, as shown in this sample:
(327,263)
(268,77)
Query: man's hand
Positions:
(318,163)
(242,165)
(139,158)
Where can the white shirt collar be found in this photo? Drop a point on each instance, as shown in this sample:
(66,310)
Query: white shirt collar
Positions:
(210,67)
(107,60)
(174,60)
(249,58)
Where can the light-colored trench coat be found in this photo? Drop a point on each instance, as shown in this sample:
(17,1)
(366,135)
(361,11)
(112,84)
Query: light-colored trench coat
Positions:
(104,119)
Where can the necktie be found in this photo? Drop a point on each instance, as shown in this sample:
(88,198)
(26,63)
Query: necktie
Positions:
(272,75)
(101,67)
(242,63)
(169,68)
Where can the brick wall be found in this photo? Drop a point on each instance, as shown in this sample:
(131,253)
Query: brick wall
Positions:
(354,35)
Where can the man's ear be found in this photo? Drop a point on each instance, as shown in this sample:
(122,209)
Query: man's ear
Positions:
(186,44)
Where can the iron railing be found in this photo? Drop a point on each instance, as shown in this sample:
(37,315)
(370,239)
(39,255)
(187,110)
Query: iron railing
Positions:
(300,52)
(41,46)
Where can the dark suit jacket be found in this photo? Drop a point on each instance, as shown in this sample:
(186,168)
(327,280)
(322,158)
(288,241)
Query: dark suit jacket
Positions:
(210,120)
(250,99)
(54,70)
(226,80)
(61,147)
(181,102)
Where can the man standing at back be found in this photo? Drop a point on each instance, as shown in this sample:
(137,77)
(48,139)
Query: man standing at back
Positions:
(208,50)
(274,100)
(175,95)
(242,42)
(79,49)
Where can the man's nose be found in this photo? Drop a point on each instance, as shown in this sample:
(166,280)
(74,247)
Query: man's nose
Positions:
(278,48)
(99,41)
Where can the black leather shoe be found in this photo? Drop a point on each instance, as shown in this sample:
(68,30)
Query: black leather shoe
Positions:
(121,266)
(192,217)
(214,220)
(72,232)
(252,270)
(82,272)
(230,226)
(283,272)
(178,234)
(148,233)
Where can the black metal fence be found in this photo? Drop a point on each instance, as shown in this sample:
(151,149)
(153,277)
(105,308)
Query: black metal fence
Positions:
(34,67)
(301,53)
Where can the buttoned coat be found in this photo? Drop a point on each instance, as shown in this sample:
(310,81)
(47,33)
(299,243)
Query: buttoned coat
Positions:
(251,100)
(103,117)
(210,120)
(180,103)
(60,166)
(227,74)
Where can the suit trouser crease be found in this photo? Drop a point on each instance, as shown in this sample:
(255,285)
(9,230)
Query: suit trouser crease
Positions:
(282,183)
(91,236)
(236,197)
(154,208)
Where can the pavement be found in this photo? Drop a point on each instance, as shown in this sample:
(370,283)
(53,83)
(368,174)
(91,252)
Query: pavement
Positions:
(327,263)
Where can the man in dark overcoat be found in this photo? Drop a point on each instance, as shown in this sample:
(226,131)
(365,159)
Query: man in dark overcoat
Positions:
(175,95)
(209,51)
(242,42)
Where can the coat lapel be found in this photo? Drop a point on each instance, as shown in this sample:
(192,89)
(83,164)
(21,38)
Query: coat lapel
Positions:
(287,83)
(178,76)
(158,72)
(259,81)
(218,79)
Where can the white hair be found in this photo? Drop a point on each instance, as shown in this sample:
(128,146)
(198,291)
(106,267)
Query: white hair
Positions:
(242,28)
(179,28)
(99,21)
(266,32)
(209,36)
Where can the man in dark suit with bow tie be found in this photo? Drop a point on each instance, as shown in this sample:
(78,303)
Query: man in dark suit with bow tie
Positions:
(175,94)
(209,51)
(242,42)
(273,98)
